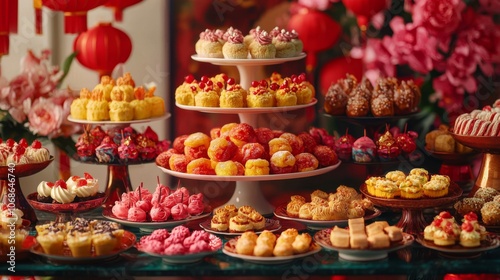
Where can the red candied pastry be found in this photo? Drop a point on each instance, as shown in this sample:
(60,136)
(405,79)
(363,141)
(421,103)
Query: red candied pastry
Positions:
(142,193)
(264,135)
(136,214)
(282,162)
(98,133)
(471,217)
(322,137)
(215,132)
(306,162)
(253,151)
(308,141)
(406,143)
(163,158)
(221,149)
(85,147)
(387,147)
(201,166)
(242,133)
(184,194)
(129,132)
(277,133)
(171,200)
(159,213)
(179,212)
(127,151)
(195,197)
(178,143)
(144,205)
(180,231)
(364,150)
(159,235)
(178,162)
(129,198)
(326,156)
(11,143)
(343,147)
(120,210)
(294,141)
(152,246)
(160,194)
(150,134)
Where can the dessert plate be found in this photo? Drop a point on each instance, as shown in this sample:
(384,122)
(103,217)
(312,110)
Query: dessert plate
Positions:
(271,225)
(247,61)
(165,116)
(151,226)
(246,110)
(270,177)
(128,240)
(458,251)
(280,212)
(215,245)
(230,250)
(322,237)
(74,207)
(23,170)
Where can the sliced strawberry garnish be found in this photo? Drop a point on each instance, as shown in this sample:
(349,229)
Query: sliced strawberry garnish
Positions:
(75,177)
(50,184)
(468,227)
(23,143)
(445,215)
(61,183)
(437,222)
(10,142)
(81,182)
(88,176)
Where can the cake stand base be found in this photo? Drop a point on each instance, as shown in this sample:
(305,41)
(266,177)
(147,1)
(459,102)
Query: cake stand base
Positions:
(118,179)
(249,193)
(489,173)
(412,221)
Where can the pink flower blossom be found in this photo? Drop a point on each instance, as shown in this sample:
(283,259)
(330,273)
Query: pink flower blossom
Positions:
(378,60)
(320,5)
(45,117)
(440,18)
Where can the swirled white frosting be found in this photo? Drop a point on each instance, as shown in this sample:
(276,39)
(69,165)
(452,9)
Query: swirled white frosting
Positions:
(62,195)
(9,217)
(87,190)
(37,155)
(44,189)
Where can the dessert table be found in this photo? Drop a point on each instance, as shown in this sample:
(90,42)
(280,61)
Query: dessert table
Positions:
(416,262)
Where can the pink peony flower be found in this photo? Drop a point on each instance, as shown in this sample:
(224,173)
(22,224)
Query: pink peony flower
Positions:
(490,6)
(440,18)
(45,117)
(378,60)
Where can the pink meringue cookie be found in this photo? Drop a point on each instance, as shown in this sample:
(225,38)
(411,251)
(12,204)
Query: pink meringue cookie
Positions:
(120,210)
(160,194)
(153,246)
(181,231)
(195,197)
(175,249)
(136,214)
(200,235)
(160,234)
(172,200)
(129,198)
(196,207)
(145,194)
(179,212)
(184,194)
(214,242)
(144,205)
(199,246)
(159,213)
(190,240)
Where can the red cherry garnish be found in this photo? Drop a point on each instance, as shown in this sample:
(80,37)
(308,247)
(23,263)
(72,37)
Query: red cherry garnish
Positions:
(487,108)
(88,176)
(224,76)
(61,183)
(193,88)
(445,215)
(467,226)
(293,77)
(255,84)
(294,89)
(220,85)
(302,77)
(10,142)
(263,83)
(23,143)
(202,85)
(274,86)
(295,80)
(50,184)
(204,79)
(36,144)
(210,83)
(471,217)
(189,78)
(19,150)
(74,178)
(231,81)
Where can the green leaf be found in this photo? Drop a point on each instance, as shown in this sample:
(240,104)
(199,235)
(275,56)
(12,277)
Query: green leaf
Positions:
(65,68)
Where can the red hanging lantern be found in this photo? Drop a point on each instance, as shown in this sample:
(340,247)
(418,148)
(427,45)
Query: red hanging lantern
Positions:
(75,12)
(103,47)
(119,5)
(365,9)
(337,68)
(8,23)
(317,30)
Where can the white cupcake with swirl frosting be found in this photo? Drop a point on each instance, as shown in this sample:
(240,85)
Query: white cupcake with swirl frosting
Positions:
(60,192)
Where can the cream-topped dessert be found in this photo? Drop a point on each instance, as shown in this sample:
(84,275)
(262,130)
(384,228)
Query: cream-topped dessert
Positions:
(60,192)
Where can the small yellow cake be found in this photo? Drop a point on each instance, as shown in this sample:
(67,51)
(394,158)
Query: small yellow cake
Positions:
(207,98)
(286,97)
(233,97)
(97,107)
(106,85)
(157,103)
(141,108)
(412,187)
(260,97)
(120,111)
(256,167)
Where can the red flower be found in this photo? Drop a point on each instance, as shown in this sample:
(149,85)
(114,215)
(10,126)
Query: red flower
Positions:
(441,18)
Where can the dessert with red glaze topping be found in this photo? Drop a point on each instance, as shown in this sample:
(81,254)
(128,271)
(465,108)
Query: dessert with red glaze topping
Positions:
(233,96)
(364,150)
(343,146)
(326,156)
(184,94)
(260,95)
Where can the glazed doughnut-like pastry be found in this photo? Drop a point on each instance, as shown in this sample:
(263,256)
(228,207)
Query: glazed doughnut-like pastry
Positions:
(282,162)
(469,204)
(382,106)
(264,135)
(252,151)
(163,158)
(325,155)
(196,145)
(221,149)
(295,142)
(178,143)
(279,144)
(306,162)
(309,142)
(178,162)
(486,193)
(357,106)
(225,129)
(229,168)
(256,167)
(348,83)
(490,213)
(242,133)
(202,166)
(215,132)
(335,100)
(406,98)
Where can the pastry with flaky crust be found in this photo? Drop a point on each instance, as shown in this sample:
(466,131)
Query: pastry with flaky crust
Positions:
(293,208)
(239,223)
(305,211)
(220,222)
(257,220)
(301,243)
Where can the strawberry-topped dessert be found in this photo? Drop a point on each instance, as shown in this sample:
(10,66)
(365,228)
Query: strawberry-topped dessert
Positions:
(86,188)
(18,156)
(36,153)
(60,192)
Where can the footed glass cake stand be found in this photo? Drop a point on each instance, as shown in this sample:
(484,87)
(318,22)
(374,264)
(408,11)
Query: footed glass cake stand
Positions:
(118,176)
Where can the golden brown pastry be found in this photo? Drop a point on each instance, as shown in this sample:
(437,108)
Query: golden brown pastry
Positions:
(301,243)
(239,223)
(293,208)
(305,211)
(469,204)
(486,193)
(246,243)
(220,222)
(490,213)
(257,220)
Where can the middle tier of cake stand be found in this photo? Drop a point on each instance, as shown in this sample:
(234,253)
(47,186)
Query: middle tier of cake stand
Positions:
(247,190)
(412,220)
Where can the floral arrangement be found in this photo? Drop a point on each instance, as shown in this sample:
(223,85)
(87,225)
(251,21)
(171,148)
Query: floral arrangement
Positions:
(451,46)
(32,105)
